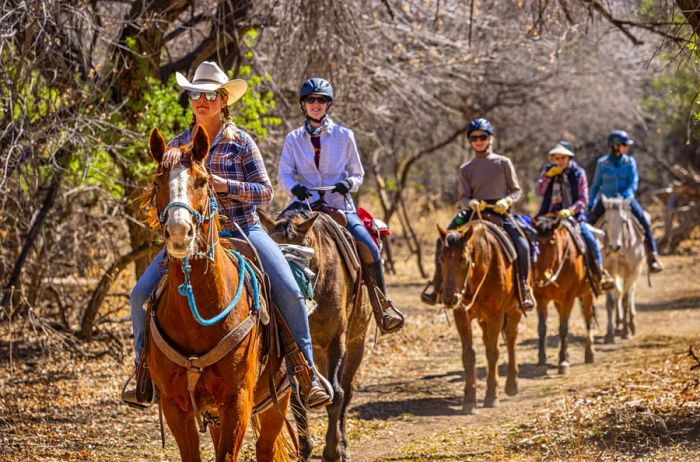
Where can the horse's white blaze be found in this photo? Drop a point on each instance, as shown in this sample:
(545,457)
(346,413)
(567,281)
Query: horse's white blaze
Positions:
(179,223)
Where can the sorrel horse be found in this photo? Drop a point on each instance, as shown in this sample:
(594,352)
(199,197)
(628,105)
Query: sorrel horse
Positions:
(479,279)
(623,257)
(560,277)
(338,326)
(202,269)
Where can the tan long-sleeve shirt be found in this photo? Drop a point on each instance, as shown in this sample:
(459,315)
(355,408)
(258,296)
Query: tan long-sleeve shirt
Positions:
(488,177)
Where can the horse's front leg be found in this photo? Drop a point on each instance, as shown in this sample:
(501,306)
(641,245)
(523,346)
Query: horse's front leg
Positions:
(564,309)
(610,303)
(542,331)
(627,315)
(353,359)
(491,329)
(234,413)
(511,336)
(464,328)
(336,360)
(632,307)
(588,314)
(184,428)
(271,423)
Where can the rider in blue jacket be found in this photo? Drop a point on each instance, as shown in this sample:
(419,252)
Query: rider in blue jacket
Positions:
(616,175)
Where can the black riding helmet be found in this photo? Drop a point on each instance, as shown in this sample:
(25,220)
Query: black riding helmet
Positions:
(315,86)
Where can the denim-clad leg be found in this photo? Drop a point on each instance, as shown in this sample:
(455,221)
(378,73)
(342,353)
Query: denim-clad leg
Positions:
(139,295)
(521,247)
(638,213)
(285,291)
(360,233)
(591,243)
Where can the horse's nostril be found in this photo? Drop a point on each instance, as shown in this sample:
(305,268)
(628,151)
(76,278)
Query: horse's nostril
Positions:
(167,233)
(190,232)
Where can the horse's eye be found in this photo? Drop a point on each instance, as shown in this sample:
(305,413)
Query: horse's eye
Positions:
(200,183)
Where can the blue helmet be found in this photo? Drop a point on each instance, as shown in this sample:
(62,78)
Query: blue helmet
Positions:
(619,137)
(315,86)
(480,124)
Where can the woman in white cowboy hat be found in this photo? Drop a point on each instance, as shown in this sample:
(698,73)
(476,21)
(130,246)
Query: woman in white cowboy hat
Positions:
(240,179)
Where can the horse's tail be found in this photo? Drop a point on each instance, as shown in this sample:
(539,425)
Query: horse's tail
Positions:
(284,444)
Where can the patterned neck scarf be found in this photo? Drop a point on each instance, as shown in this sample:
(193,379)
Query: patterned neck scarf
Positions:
(325,124)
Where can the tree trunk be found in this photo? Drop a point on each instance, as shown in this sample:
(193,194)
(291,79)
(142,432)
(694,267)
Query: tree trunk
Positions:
(100,292)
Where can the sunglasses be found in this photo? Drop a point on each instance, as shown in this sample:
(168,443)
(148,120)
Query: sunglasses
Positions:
(208,95)
(317,99)
(478,138)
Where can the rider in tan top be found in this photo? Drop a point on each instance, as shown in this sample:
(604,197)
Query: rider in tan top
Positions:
(489,178)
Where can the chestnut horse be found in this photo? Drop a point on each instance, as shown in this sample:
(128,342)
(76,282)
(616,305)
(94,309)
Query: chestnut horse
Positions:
(479,279)
(186,208)
(338,326)
(560,277)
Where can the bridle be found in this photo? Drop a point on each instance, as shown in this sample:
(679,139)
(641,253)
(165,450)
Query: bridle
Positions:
(562,259)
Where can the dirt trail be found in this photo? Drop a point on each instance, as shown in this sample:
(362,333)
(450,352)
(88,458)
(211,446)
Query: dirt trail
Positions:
(408,395)
(419,396)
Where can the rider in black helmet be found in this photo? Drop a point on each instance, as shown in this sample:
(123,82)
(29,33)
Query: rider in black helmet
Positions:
(322,153)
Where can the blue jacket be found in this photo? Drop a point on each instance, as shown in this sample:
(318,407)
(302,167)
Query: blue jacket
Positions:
(614,178)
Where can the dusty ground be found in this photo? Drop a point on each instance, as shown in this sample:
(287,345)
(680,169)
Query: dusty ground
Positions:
(639,401)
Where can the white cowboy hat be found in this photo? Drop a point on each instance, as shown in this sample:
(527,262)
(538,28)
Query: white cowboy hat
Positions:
(210,77)
(559,149)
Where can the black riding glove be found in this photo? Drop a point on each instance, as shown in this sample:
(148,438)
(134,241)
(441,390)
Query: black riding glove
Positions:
(301,192)
(343,187)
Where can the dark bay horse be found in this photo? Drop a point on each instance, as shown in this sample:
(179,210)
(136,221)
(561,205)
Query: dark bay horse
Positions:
(478,278)
(225,389)
(560,277)
(338,326)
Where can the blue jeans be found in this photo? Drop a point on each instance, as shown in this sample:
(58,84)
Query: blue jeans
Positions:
(285,291)
(591,243)
(636,209)
(360,233)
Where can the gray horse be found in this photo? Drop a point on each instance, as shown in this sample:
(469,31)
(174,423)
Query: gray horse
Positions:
(623,257)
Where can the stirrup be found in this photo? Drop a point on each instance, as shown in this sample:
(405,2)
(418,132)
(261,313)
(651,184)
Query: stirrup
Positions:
(429,298)
(392,319)
(318,396)
(130,396)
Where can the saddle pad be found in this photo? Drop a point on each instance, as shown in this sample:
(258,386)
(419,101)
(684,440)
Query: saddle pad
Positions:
(575,234)
(503,240)
(346,245)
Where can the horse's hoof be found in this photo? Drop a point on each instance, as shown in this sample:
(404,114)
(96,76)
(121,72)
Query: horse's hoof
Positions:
(627,335)
(589,357)
(490,402)
(564,368)
(512,388)
(609,339)
(468,408)
(542,362)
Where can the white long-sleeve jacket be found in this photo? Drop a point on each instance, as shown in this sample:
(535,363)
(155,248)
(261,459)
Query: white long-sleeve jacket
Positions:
(339,161)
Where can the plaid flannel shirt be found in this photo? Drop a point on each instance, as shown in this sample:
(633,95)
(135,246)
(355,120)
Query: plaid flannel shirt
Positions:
(239,162)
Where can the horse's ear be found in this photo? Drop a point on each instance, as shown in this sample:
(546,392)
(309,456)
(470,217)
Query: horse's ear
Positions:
(267,221)
(442,232)
(306,225)
(156,144)
(200,144)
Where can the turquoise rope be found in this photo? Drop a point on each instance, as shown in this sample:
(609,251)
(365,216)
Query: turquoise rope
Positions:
(307,289)
(185,289)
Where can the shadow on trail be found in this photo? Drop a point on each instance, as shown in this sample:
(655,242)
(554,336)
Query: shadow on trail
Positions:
(422,407)
(669,305)
(553,341)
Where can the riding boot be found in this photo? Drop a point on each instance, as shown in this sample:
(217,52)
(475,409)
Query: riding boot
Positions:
(311,393)
(652,261)
(606,281)
(432,298)
(527,298)
(388,317)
